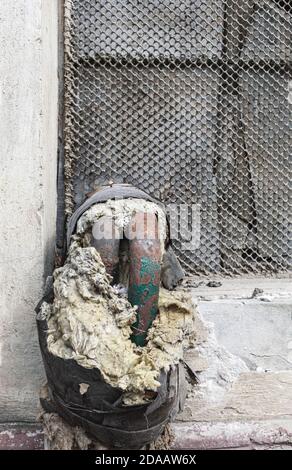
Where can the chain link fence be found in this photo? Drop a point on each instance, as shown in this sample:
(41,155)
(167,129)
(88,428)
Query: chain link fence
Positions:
(190,101)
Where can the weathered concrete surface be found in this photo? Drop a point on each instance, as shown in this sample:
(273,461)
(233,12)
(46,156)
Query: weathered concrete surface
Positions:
(259,332)
(257,329)
(21,437)
(241,288)
(28,141)
(253,396)
(244,338)
(275,434)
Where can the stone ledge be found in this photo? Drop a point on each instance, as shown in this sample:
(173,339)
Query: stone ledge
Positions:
(251,397)
(234,435)
(17,436)
(241,288)
(258,332)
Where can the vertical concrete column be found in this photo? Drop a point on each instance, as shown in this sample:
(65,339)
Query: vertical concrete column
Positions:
(28,149)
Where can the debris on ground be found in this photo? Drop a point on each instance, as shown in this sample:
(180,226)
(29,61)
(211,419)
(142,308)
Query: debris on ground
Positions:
(214,284)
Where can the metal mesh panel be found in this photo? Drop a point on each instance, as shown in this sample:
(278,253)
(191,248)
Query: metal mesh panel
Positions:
(190,101)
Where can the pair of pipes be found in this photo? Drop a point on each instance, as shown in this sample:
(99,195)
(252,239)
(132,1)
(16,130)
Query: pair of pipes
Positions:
(145,255)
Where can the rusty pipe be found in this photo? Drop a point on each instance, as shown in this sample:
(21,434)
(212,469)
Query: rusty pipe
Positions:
(106,240)
(144,272)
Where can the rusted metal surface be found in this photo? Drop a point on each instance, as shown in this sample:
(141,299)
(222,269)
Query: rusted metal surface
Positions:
(144,273)
(145,257)
(106,240)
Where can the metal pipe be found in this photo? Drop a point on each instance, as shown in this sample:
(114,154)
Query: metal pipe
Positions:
(144,272)
(106,240)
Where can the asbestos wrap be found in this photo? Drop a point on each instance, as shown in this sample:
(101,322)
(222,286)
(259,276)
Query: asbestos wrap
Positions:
(90,322)
(121,394)
(122,211)
(101,410)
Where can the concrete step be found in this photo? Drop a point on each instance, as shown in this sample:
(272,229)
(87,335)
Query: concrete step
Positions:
(239,288)
(253,396)
(257,331)
(235,435)
(243,359)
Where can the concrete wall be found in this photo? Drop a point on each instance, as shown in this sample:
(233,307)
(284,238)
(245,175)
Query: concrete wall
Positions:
(28,147)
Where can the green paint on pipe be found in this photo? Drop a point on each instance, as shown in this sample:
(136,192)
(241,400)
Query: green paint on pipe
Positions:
(144,292)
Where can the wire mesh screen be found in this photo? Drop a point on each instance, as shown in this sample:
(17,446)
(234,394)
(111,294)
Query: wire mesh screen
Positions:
(189,100)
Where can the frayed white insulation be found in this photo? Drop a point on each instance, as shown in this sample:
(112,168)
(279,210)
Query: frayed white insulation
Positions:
(90,322)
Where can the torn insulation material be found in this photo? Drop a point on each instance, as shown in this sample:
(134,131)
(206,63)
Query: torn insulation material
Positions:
(121,211)
(90,322)
(99,380)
